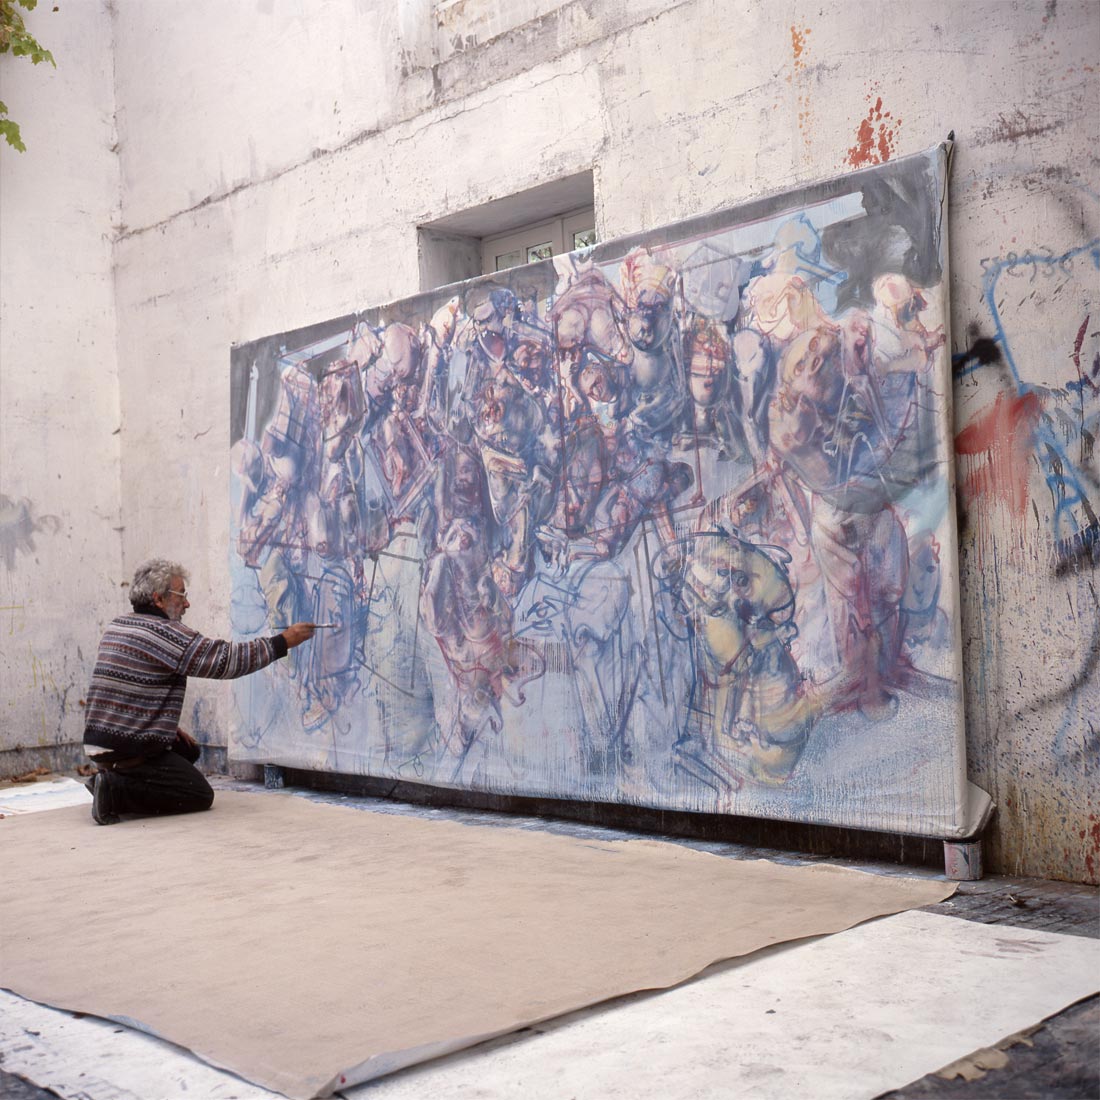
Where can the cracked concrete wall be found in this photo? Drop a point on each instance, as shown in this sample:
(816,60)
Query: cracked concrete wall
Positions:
(60,538)
(276,159)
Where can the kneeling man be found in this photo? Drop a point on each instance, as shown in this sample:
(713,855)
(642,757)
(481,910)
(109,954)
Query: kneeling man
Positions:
(146,762)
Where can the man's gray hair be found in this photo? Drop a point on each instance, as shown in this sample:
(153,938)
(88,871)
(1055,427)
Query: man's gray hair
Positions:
(154,576)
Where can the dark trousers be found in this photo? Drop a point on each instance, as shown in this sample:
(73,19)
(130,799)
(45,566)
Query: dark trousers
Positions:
(163,784)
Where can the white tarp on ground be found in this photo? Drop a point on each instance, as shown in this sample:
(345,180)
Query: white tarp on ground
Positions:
(46,794)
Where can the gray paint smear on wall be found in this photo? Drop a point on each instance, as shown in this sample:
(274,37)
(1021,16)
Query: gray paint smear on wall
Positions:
(18,526)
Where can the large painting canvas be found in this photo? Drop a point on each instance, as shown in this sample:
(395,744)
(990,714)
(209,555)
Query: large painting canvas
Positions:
(667,521)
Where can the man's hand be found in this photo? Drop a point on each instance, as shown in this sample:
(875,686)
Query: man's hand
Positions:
(298,633)
(186,746)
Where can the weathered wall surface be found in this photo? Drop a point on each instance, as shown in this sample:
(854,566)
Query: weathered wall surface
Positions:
(277,159)
(60,547)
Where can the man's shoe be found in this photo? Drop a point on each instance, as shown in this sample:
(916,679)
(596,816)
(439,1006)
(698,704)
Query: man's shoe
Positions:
(98,786)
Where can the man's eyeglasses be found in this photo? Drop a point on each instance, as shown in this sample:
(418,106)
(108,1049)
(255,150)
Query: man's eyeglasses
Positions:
(173,592)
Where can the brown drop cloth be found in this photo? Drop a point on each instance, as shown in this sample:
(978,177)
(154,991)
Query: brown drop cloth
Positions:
(291,942)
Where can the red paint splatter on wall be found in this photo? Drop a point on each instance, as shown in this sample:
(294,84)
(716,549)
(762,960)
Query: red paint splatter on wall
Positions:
(1000,439)
(875,140)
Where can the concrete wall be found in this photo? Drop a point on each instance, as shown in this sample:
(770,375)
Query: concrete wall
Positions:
(276,160)
(60,526)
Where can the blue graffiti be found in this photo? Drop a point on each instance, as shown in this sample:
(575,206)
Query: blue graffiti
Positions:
(1072,512)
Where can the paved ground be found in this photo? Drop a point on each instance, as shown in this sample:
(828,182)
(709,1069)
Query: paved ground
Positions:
(15,1088)
(1059,1058)
(1027,903)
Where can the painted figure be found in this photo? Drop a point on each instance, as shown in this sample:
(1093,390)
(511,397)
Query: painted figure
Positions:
(756,712)
(469,617)
(657,393)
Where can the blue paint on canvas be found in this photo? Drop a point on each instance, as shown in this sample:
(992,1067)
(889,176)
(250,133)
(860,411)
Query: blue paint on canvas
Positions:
(666,522)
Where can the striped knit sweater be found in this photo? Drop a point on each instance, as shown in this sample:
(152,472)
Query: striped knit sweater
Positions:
(136,695)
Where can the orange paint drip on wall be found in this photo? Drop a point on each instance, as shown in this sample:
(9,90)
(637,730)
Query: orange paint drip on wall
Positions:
(798,49)
(798,44)
(875,139)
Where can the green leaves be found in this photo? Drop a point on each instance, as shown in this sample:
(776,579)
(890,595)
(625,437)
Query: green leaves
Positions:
(14,35)
(10,130)
(16,39)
